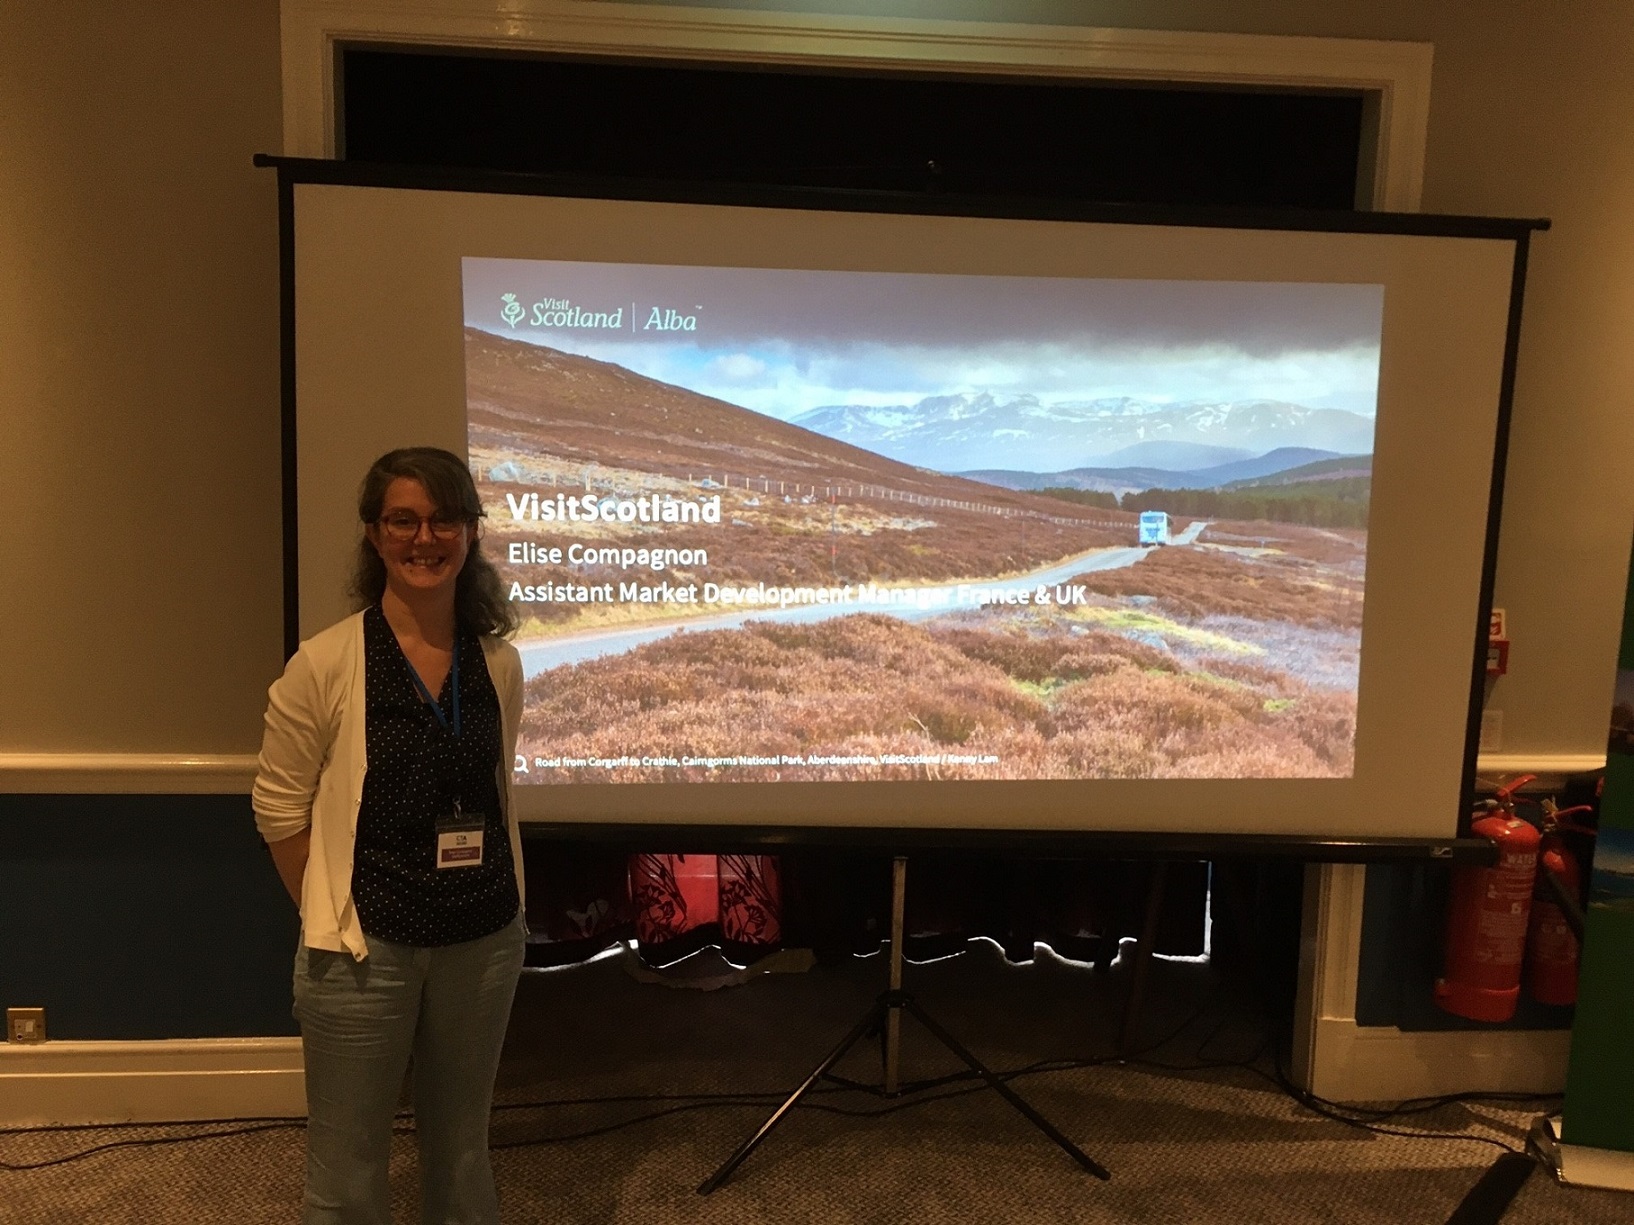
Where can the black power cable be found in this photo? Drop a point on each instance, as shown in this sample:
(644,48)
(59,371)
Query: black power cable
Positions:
(145,1142)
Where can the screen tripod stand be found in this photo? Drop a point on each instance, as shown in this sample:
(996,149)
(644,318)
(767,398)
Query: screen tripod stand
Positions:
(885,1018)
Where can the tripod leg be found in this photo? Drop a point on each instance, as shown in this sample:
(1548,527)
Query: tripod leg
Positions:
(1008,1094)
(1143,958)
(893,1016)
(875,1015)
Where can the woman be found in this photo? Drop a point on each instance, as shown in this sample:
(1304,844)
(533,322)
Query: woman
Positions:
(388,814)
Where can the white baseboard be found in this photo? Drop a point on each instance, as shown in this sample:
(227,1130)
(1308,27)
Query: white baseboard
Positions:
(1358,1063)
(150,1082)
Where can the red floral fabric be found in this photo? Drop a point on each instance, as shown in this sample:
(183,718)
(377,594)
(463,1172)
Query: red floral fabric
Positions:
(737,898)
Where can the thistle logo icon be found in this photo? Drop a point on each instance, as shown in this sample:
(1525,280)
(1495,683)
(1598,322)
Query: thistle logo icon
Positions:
(511,312)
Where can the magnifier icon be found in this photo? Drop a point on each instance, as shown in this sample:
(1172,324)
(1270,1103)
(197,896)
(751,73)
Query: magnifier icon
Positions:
(521,764)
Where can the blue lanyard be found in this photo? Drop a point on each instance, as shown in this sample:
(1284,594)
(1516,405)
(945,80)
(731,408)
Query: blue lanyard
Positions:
(425,693)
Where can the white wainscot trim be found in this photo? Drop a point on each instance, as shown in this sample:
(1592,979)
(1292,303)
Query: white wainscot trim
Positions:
(1542,764)
(150,1082)
(1382,1063)
(127,773)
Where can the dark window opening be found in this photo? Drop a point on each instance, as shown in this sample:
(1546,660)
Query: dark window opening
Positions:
(1030,139)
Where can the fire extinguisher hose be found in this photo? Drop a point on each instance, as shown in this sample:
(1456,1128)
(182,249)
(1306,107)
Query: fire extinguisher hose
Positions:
(1562,897)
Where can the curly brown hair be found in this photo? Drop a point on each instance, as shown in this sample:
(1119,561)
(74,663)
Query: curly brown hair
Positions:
(479,595)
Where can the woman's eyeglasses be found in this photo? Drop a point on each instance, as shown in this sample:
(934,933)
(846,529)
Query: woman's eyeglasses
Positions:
(401,525)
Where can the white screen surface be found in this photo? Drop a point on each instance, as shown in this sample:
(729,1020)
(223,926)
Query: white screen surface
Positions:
(1251,675)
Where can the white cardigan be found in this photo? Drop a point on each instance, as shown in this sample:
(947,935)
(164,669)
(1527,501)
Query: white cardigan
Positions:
(313,761)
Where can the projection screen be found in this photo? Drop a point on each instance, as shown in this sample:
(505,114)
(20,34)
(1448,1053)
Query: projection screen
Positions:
(820,516)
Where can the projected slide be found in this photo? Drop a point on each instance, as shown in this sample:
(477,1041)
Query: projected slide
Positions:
(774,525)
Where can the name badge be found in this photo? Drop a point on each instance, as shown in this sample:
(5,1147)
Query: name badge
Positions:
(459,839)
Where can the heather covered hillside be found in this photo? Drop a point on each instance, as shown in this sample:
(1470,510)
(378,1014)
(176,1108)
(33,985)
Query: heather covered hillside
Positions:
(963,700)
(797,508)
(1263,583)
(1231,652)
(552,413)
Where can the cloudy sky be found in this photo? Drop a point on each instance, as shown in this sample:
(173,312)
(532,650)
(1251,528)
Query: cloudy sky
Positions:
(783,341)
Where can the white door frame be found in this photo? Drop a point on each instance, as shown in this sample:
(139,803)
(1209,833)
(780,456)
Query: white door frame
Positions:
(1393,77)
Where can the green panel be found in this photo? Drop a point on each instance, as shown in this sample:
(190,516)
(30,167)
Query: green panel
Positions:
(1599,1108)
(1617,804)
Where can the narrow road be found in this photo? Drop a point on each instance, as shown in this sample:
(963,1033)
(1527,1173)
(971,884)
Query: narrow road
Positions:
(1190,535)
(542,654)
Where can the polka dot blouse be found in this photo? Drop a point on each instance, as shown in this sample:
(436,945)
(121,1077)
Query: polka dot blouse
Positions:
(416,770)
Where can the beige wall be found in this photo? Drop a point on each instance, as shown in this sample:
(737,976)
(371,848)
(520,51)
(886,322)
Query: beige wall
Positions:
(139,589)
(138,344)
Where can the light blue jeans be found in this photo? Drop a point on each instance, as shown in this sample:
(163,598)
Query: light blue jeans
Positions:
(361,1021)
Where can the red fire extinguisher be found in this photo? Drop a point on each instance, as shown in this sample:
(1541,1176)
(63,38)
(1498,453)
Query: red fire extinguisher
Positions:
(1552,949)
(1487,917)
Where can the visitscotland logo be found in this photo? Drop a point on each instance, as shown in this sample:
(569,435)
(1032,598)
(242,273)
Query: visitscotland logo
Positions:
(561,313)
(558,313)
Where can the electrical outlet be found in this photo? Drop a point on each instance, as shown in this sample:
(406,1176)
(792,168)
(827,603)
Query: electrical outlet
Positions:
(25,1025)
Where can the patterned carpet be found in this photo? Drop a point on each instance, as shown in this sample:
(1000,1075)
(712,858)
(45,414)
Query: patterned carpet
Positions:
(1184,1144)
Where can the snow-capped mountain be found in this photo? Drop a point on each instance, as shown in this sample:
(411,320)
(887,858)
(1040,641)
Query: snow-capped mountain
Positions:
(968,431)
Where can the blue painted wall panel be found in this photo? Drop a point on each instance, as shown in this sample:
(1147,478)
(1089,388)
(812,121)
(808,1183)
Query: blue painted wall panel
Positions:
(143,917)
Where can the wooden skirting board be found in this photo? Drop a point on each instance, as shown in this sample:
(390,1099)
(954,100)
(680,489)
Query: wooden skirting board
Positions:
(150,1082)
